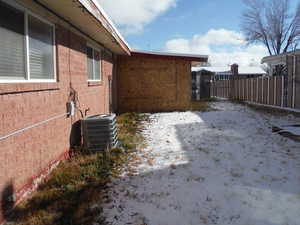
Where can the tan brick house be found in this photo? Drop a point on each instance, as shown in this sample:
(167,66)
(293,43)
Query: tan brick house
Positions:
(50,52)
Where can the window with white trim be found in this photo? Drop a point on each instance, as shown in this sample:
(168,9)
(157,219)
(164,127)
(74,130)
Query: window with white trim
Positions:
(27,49)
(93,64)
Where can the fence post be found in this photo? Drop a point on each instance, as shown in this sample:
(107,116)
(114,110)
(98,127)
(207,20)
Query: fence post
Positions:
(268,95)
(297,83)
(247,89)
(257,79)
(252,92)
(294,80)
(241,89)
(282,87)
(231,86)
(223,88)
(227,88)
(238,87)
(262,90)
(214,90)
(275,90)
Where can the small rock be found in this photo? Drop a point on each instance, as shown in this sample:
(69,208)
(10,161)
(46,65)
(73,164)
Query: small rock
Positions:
(173,166)
(204,219)
(208,199)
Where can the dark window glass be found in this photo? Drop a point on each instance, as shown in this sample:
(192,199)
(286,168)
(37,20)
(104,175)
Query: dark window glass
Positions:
(93,64)
(12,43)
(90,63)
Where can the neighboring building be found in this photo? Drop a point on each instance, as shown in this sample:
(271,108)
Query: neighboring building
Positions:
(155,81)
(56,52)
(202,77)
(201,81)
(277,64)
(285,67)
(225,72)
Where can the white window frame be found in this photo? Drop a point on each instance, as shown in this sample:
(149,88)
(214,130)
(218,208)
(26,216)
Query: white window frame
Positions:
(27,79)
(100,61)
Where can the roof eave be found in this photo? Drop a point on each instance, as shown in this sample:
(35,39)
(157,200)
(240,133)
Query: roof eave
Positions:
(168,55)
(276,58)
(95,9)
(88,18)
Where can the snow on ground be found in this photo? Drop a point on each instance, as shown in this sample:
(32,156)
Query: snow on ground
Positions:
(219,167)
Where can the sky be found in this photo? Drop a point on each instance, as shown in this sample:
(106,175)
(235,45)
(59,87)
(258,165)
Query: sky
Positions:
(206,27)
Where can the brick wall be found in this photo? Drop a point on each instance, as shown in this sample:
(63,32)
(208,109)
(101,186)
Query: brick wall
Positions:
(152,84)
(26,155)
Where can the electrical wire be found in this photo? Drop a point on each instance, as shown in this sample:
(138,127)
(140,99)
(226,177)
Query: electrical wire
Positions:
(32,126)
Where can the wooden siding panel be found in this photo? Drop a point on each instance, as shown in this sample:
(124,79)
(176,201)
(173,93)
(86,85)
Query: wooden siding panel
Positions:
(148,84)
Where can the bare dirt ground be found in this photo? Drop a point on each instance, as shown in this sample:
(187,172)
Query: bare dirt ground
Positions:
(219,167)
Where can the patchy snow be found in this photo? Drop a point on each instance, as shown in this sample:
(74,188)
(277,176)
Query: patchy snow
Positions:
(220,167)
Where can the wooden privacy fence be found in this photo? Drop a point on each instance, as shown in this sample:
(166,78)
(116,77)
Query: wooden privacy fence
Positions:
(282,91)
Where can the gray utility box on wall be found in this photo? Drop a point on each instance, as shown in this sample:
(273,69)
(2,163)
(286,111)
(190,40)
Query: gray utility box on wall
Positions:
(99,132)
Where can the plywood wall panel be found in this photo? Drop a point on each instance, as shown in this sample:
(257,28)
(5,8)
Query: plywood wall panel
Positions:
(148,84)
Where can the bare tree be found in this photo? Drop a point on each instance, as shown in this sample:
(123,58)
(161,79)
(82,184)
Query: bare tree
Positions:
(272,23)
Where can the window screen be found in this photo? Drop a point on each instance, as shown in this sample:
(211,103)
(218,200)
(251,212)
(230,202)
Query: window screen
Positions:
(40,49)
(93,64)
(12,42)
(90,63)
(97,65)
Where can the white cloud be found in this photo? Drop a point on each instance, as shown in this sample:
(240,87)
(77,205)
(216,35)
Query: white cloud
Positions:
(223,47)
(132,15)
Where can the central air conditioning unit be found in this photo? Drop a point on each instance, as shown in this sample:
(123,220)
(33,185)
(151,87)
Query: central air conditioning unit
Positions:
(99,132)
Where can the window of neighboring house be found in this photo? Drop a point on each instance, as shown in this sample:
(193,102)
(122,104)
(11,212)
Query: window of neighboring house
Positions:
(26,46)
(93,64)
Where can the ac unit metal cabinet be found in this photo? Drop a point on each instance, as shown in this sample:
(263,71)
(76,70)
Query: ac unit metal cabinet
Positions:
(99,132)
